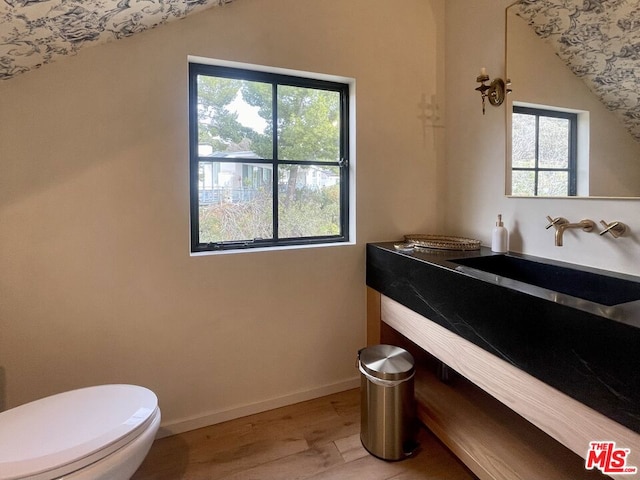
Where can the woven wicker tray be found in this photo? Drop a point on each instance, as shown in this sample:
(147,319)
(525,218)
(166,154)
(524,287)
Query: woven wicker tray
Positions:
(442,242)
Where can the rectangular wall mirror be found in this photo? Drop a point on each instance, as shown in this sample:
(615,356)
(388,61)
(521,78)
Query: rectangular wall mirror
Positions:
(573,118)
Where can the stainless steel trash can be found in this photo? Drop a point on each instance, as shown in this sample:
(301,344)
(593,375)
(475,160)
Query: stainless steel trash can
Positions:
(387,407)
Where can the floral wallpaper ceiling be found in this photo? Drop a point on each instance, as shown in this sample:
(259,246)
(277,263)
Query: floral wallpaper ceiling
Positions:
(35,32)
(599,40)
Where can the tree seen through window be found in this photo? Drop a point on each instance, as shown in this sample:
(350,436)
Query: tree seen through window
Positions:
(270,162)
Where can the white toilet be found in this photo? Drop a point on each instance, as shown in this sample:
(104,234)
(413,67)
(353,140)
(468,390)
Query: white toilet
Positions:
(95,433)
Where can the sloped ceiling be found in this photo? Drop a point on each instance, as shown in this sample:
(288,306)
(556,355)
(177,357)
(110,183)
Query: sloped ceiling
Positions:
(36,32)
(599,40)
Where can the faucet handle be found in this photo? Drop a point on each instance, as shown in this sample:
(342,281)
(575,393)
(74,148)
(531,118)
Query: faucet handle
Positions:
(614,228)
(555,221)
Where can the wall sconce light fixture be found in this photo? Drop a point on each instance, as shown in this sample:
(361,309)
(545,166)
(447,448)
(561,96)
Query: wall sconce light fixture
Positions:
(494,92)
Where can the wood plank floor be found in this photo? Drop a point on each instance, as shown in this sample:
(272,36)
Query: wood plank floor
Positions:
(318,439)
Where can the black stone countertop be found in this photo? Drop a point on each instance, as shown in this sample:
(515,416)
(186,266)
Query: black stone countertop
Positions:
(588,351)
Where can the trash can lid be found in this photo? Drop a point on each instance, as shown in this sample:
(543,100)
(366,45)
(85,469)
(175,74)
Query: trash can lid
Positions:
(387,362)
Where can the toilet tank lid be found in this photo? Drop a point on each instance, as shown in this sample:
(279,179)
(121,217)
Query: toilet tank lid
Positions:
(61,429)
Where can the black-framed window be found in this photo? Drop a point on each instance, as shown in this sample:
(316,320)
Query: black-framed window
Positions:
(269,161)
(544,152)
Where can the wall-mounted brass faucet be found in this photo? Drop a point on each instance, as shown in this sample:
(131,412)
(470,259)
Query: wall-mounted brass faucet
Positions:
(616,229)
(562,224)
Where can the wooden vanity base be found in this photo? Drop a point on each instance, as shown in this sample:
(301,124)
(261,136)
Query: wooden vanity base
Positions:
(492,439)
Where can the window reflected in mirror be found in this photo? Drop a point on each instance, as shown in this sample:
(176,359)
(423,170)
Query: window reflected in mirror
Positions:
(540,37)
(544,152)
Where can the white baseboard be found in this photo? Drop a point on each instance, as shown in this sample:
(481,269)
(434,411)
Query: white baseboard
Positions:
(180,426)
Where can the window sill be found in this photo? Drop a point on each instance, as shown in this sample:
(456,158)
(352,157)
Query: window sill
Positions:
(271,249)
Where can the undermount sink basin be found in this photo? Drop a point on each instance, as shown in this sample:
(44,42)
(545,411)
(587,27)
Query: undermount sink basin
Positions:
(594,287)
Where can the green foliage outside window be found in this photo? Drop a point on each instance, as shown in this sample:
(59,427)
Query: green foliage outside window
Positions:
(237,161)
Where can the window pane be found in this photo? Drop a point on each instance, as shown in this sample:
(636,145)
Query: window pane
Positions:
(554,143)
(234,117)
(553,184)
(523,183)
(235,201)
(309,202)
(265,159)
(523,154)
(308,124)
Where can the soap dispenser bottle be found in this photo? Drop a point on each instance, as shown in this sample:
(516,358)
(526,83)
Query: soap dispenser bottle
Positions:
(500,237)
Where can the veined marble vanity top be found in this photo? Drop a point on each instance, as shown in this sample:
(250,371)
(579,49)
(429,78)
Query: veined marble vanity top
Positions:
(589,351)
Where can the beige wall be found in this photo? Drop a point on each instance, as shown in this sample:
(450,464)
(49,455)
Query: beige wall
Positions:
(475,153)
(96,281)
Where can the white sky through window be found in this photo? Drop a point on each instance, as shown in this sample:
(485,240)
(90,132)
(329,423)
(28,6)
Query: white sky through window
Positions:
(247,114)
